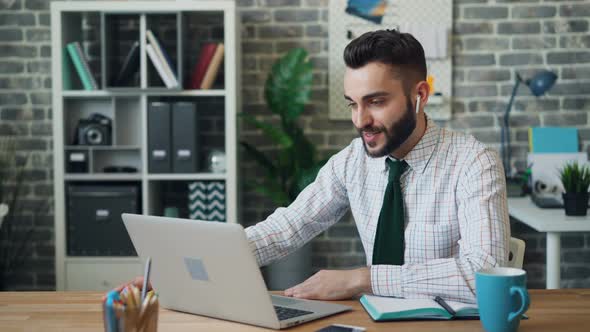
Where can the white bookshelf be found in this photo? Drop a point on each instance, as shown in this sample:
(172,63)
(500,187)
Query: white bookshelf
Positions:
(127,107)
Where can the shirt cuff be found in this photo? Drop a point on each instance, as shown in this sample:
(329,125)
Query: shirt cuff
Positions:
(386,280)
(251,235)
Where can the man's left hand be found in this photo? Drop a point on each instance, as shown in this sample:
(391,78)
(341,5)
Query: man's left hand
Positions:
(333,285)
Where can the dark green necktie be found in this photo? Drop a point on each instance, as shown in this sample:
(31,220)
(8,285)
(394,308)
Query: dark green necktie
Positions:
(389,239)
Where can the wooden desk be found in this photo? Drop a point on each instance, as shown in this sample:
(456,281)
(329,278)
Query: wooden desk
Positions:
(551,310)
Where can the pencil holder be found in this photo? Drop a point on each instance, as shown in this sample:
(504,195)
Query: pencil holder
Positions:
(126,312)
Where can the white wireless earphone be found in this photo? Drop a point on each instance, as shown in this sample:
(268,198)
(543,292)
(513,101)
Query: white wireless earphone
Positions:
(417,104)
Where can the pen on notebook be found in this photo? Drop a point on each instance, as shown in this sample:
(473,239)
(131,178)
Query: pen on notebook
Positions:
(445,305)
(146,277)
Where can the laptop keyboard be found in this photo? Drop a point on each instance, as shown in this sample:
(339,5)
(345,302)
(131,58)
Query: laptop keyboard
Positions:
(287,313)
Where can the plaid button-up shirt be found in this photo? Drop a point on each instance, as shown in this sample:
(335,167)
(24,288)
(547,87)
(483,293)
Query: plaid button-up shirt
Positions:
(455,210)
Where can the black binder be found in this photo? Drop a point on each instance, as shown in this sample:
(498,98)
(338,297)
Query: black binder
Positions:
(184,138)
(159,131)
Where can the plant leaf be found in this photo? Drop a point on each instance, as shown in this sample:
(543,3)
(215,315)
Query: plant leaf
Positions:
(272,191)
(288,87)
(303,149)
(575,177)
(276,134)
(14,237)
(260,158)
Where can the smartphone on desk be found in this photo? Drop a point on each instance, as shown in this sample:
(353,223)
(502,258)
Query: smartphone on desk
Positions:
(341,328)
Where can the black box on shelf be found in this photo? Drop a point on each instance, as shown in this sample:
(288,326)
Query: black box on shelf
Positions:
(94,224)
(185,137)
(77,161)
(159,137)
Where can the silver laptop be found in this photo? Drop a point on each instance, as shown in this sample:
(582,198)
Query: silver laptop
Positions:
(208,268)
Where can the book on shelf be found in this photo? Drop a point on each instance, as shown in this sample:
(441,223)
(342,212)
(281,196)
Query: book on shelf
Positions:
(391,308)
(553,140)
(200,68)
(213,68)
(130,66)
(81,65)
(66,70)
(159,67)
(163,56)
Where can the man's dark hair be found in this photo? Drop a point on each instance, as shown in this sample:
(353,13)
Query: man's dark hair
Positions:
(392,48)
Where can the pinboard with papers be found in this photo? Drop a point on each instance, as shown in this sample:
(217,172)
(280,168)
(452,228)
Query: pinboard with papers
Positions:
(429,21)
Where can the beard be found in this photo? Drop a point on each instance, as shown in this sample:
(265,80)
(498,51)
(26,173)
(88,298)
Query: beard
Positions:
(395,134)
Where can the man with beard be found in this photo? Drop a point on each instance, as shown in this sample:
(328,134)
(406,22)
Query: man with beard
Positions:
(429,204)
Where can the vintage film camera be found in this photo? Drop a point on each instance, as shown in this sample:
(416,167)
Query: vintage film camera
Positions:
(97,129)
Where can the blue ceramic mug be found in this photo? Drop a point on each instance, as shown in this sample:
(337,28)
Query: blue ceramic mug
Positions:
(502,298)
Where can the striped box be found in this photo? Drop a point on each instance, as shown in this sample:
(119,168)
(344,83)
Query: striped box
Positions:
(207,200)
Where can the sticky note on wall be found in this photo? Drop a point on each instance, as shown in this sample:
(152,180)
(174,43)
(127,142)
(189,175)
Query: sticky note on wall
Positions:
(553,139)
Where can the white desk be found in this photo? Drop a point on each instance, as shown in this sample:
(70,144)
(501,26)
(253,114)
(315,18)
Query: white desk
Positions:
(553,222)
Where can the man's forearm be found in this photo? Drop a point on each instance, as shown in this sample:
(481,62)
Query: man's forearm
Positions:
(333,285)
(449,278)
(363,281)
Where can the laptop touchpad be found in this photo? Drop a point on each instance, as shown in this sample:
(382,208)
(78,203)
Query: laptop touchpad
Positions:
(284,301)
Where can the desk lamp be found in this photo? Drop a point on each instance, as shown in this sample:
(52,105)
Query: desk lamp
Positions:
(540,83)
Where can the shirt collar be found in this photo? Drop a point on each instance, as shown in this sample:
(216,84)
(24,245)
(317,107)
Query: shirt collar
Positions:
(420,155)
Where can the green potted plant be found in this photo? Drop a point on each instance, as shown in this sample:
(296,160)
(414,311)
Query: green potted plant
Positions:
(576,180)
(287,91)
(295,164)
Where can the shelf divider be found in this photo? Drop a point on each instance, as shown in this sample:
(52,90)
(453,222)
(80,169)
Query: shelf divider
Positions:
(187,177)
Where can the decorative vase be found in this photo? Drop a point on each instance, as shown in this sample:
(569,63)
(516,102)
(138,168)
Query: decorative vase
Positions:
(290,270)
(576,204)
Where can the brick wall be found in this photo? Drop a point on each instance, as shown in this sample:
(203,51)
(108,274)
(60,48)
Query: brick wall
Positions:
(25,112)
(492,40)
